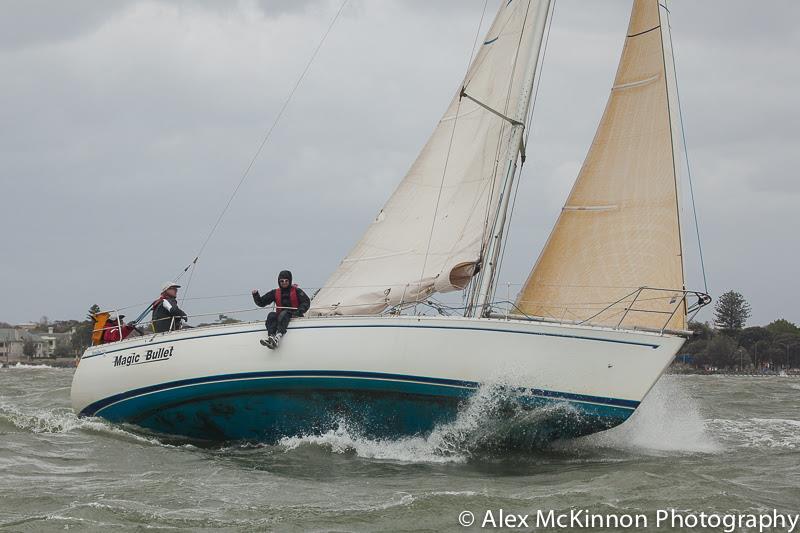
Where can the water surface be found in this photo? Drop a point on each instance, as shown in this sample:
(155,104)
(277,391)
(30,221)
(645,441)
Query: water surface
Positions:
(724,444)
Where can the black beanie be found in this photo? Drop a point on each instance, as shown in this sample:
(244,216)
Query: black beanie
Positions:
(285,274)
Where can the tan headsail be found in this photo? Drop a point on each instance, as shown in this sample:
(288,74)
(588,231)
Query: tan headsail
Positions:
(619,229)
(430,234)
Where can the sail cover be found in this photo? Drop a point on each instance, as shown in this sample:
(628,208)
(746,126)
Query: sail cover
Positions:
(619,229)
(429,235)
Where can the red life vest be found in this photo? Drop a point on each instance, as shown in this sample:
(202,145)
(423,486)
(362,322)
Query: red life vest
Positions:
(155,304)
(112,334)
(293,299)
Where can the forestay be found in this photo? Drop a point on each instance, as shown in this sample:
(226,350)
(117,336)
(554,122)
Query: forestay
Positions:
(430,234)
(620,229)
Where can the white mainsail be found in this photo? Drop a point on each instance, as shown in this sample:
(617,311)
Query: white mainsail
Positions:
(620,227)
(430,235)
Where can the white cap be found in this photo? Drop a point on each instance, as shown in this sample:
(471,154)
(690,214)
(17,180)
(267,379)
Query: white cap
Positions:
(168,284)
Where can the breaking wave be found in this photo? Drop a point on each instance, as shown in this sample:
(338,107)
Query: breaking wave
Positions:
(668,422)
(344,440)
(491,424)
(63,420)
(31,367)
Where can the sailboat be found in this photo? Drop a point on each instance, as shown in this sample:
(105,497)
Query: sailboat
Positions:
(600,317)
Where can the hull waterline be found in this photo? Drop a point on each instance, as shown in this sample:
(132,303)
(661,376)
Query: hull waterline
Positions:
(383,377)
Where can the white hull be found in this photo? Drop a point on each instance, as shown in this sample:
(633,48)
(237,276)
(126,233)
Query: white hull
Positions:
(209,373)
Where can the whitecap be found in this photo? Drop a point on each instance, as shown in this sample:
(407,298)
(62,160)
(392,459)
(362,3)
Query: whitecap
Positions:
(344,440)
(33,367)
(760,432)
(64,420)
(491,423)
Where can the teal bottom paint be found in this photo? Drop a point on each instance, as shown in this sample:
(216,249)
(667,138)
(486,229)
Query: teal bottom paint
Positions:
(267,409)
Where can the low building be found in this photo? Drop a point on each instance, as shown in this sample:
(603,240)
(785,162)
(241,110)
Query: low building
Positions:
(43,345)
(12,344)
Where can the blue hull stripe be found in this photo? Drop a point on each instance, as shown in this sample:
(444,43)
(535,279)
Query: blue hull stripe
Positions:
(539,333)
(93,408)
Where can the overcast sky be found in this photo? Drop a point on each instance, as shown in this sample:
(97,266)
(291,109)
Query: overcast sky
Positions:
(125,125)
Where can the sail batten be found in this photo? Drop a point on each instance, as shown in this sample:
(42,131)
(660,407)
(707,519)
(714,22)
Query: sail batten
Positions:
(619,229)
(430,235)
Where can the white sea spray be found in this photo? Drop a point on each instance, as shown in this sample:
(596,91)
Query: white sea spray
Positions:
(668,421)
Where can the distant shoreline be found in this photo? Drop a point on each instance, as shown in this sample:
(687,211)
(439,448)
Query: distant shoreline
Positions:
(69,362)
(793,373)
(61,362)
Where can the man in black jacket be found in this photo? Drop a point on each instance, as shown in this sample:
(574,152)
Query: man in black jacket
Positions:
(167,316)
(290,301)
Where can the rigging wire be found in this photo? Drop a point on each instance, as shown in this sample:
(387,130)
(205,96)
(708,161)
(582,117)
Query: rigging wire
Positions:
(527,136)
(449,149)
(499,138)
(471,290)
(688,166)
(264,141)
(189,282)
(479,282)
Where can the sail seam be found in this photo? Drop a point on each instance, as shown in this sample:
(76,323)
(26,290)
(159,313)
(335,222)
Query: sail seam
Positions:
(590,208)
(479,61)
(637,83)
(372,257)
(643,32)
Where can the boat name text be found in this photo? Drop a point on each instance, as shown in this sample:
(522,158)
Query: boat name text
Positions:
(151,356)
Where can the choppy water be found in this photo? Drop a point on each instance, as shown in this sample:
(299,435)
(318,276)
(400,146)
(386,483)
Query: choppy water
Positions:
(698,443)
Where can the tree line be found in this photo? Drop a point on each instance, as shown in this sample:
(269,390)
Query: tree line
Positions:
(724,344)
(729,344)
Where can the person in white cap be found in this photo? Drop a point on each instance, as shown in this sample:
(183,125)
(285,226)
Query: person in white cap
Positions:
(167,316)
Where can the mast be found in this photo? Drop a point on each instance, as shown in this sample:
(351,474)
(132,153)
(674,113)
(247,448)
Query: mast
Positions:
(673,108)
(485,282)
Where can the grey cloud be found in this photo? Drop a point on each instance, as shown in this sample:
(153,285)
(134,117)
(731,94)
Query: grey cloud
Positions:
(122,132)
(36,22)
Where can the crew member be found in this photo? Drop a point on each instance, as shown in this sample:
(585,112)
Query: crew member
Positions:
(116,330)
(290,301)
(167,316)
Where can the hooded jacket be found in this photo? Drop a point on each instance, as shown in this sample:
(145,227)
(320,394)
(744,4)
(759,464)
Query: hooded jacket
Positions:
(269,298)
